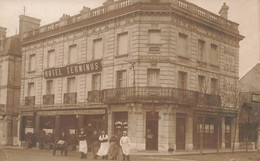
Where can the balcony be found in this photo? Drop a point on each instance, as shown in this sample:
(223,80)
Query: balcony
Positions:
(48,99)
(70,98)
(153,95)
(30,101)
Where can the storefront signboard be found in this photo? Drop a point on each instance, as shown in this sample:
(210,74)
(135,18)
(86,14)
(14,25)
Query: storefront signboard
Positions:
(255,97)
(75,69)
(74,112)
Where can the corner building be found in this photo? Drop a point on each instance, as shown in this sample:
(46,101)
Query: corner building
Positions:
(151,67)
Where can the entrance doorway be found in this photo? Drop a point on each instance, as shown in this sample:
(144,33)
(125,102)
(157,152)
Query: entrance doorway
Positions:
(180,131)
(151,131)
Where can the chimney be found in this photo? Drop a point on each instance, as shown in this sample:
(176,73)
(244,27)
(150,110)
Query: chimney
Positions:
(224,11)
(2,36)
(27,24)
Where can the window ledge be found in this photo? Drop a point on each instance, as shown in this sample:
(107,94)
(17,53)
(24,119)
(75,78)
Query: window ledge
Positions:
(123,55)
(214,65)
(183,57)
(202,62)
(33,71)
(154,44)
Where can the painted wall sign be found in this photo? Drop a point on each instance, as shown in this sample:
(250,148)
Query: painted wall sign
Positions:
(74,69)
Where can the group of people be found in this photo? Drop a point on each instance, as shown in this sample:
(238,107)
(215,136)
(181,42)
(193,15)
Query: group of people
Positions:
(102,145)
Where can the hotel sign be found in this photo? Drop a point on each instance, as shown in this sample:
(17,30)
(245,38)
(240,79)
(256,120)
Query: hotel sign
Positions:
(74,112)
(75,69)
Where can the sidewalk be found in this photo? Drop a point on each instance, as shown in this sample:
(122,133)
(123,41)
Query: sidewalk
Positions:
(156,153)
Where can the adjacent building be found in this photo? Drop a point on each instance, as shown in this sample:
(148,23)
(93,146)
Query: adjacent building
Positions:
(155,68)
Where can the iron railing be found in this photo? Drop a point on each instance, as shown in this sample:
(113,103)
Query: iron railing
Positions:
(153,95)
(70,98)
(48,99)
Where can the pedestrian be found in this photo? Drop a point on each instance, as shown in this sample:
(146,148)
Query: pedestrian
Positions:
(95,143)
(61,142)
(125,145)
(114,146)
(104,146)
(83,145)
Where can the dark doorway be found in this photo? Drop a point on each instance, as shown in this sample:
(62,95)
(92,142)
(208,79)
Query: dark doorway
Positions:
(120,122)
(151,130)
(180,131)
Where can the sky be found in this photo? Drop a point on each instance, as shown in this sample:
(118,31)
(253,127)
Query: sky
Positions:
(245,12)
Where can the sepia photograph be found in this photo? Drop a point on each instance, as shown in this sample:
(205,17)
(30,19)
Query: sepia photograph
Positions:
(130,80)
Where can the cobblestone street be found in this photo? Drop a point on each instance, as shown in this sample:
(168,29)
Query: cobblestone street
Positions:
(45,155)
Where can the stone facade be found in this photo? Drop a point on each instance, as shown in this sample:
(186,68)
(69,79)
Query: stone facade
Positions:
(148,51)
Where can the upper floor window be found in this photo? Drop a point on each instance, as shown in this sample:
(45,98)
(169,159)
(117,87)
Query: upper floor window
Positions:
(182,44)
(154,36)
(72,57)
(122,43)
(214,86)
(49,87)
(182,80)
(153,77)
(51,59)
(201,50)
(121,79)
(32,63)
(31,89)
(201,82)
(96,81)
(97,48)
(214,54)
(71,85)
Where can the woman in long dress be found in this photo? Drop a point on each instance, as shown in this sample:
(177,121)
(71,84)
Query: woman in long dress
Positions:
(104,146)
(83,145)
(125,144)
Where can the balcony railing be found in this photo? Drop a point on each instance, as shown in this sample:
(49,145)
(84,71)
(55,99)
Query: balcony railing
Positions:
(70,98)
(48,99)
(154,95)
(30,101)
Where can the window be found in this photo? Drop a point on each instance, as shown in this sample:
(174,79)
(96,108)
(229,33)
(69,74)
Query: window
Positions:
(214,85)
(97,49)
(153,77)
(72,54)
(32,63)
(183,45)
(122,43)
(201,82)
(71,85)
(121,79)
(51,59)
(31,89)
(214,54)
(154,36)
(201,50)
(49,87)
(182,80)
(96,82)
(1,75)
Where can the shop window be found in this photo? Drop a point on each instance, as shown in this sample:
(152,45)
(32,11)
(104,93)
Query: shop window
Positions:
(72,56)
(32,63)
(182,45)
(97,49)
(122,43)
(121,79)
(214,54)
(96,79)
(182,80)
(51,59)
(153,77)
(120,122)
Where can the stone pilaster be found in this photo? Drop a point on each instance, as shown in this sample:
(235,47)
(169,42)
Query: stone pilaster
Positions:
(223,145)
(163,131)
(189,132)
(234,133)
